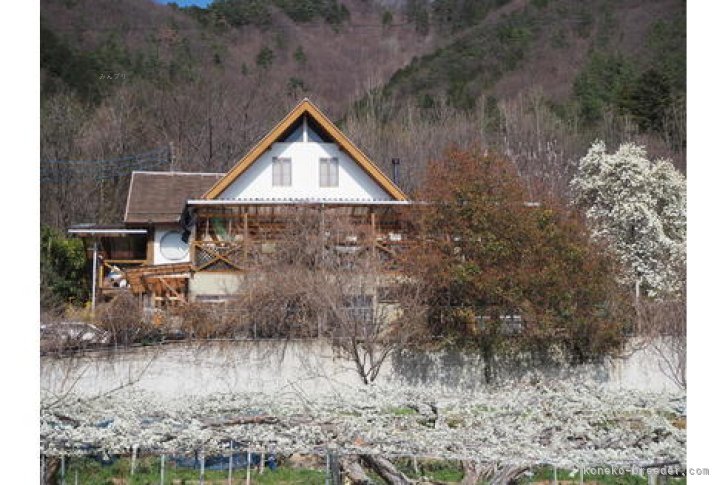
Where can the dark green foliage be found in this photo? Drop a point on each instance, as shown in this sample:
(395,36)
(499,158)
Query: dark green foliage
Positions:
(645,88)
(63,277)
(238,12)
(468,65)
(649,100)
(331,11)
(454,15)
(78,70)
(603,83)
(387,18)
(417,11)
(265,57)
(299,56)
(667,44)
(296,87)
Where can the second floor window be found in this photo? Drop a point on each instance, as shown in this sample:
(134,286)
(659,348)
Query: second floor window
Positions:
(281,172)
(329,172)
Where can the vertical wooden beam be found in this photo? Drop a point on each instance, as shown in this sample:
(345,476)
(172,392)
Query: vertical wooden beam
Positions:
(150,245)
(193,247)
(373,221)
(245,238)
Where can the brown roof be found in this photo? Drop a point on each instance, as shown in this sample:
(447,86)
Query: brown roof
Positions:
(160,196)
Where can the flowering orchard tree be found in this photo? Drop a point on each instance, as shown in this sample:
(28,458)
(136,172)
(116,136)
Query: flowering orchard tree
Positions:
(639,207)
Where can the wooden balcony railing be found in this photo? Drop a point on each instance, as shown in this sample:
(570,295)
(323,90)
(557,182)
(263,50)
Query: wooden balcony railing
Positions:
(218,255)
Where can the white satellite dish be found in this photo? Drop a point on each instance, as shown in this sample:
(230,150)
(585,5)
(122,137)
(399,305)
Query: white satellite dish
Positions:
(172,247)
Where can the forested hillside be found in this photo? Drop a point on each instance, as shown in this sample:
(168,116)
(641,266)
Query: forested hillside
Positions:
(538,80)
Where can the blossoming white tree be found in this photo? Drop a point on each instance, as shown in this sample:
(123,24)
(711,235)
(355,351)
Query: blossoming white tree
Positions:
(637,206)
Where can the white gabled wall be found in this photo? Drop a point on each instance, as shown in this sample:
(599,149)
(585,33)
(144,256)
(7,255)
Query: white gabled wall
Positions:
(257,180)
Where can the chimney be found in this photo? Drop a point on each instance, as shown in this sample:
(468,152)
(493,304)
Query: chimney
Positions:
(395,171)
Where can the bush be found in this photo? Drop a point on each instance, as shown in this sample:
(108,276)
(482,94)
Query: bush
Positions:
(123,318)
(63,277)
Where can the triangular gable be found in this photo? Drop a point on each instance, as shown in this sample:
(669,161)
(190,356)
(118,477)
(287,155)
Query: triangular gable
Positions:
(303,108)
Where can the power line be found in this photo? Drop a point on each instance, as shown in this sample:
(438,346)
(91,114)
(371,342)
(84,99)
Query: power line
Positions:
(58,171)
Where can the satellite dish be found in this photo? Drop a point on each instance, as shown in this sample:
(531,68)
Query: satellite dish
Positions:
(172,247)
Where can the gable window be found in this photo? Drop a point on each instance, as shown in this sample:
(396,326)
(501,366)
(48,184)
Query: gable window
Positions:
(281,172)
(329,172)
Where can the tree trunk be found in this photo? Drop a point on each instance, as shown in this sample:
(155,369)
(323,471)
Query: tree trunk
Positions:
(52,467)
(355,472)
(385,469)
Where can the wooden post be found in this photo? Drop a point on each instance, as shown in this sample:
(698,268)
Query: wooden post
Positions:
(230,465)
(328,470)
(93,277)
(202,469)
(247,471)
(245,238)
(373,222)
(556,477)
(193,248)
(133,459)
(161,470)
(172,157)
(63,470)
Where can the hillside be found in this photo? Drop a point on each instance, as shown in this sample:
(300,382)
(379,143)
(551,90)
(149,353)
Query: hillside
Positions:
(537,80)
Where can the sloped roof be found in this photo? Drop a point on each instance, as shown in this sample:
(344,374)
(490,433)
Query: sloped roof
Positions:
(306,107)
(159,197)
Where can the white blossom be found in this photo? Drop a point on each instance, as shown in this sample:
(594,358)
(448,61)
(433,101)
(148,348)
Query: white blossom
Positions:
(567,423)
(639,208)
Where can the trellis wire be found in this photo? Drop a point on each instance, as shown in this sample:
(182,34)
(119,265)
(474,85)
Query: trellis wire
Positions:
(52,171)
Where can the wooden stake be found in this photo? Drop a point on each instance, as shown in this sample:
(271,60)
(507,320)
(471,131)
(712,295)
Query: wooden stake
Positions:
(133,459)
(161,470)
(202,469)
(230,465)
(63,470)
(328,469)
(247,472)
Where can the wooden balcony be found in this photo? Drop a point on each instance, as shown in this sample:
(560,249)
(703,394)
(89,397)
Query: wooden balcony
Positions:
(218,256)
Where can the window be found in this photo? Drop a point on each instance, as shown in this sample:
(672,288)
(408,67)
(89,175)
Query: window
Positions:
(281,172)
(329,172)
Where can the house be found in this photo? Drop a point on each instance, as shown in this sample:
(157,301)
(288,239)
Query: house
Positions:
(190,236)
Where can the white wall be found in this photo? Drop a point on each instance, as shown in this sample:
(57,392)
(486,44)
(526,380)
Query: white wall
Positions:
(205,368)
(159,232)
(257,180)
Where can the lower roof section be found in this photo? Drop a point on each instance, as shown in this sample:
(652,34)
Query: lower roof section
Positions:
(103,230)
(295,201)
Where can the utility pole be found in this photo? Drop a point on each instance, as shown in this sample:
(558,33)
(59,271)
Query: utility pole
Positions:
(209,137)
(171,155)
(93,276)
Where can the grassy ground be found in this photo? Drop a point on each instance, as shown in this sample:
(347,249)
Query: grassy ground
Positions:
(91,472)
(438,470)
